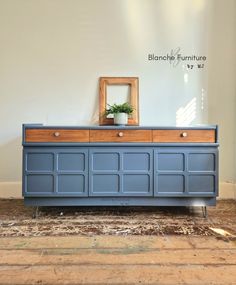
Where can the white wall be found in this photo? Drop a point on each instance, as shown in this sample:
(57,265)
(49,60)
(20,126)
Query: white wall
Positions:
(53,52)
(222,86)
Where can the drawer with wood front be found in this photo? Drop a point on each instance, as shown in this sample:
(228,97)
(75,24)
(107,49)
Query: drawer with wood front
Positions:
(184,135)
(56,135)
(121,136)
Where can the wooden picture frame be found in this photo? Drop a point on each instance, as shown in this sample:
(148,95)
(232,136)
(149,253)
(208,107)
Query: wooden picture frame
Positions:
(134,100)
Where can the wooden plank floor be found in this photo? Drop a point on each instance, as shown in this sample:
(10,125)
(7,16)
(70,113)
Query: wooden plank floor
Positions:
(117,260)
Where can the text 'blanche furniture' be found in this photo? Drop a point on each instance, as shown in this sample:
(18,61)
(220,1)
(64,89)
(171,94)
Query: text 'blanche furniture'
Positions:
(109,165)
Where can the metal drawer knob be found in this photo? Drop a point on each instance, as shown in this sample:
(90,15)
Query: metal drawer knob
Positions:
(184,135)
(56,134)
(120,134)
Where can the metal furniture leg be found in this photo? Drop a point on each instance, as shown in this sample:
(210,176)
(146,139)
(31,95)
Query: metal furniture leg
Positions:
(36,212)
(204,212)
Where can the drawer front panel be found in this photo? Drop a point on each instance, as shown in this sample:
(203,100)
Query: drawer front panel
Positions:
(120,136)
(56,135)
(194,136)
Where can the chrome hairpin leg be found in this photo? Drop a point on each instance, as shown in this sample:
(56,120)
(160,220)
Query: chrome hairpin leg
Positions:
(204,212)
(36,212)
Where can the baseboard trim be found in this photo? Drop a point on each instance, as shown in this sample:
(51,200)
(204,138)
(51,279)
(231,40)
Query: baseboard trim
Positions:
(14,190)
(11,189)
(227,190)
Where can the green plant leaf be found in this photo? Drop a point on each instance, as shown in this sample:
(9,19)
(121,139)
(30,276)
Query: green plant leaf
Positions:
(121,108)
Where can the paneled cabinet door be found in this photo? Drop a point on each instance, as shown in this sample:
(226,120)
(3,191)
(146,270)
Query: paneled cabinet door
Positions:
(121,172)
(55,172)
(185,171)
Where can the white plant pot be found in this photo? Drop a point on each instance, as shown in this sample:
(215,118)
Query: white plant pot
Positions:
(120,119)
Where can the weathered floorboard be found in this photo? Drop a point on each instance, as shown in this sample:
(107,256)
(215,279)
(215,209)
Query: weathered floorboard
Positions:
(118,274)
(123,256)
(117,260)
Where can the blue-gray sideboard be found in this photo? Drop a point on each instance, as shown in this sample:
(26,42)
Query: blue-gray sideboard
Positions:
(111,165)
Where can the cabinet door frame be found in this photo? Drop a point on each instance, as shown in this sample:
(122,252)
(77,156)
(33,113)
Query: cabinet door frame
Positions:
(121,173)
(55,172)
(186,173)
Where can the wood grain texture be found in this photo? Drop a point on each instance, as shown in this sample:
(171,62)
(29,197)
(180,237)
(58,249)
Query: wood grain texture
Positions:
(195,136)
(128,136)
(70,135)
(117,260)
(48,135)
(116,274)
(134,98)
(117,256)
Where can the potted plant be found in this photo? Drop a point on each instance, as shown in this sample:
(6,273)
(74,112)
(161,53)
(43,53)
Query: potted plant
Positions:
(120,112)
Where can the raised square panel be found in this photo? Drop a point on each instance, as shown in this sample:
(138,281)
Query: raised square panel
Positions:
(136,183)
(39,162)
(170,161)
(105,161)
(201,183)
(201,162)
(71,162)
(108,184)
(136,161)
(71,183)
(170,183)
(39,183)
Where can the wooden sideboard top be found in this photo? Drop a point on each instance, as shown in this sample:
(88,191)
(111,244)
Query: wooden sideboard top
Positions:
(115,134)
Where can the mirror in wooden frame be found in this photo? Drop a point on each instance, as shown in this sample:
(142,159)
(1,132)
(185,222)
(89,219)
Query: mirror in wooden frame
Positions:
(132,83)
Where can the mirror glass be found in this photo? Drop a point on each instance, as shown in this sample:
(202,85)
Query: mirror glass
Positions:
(118,94)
